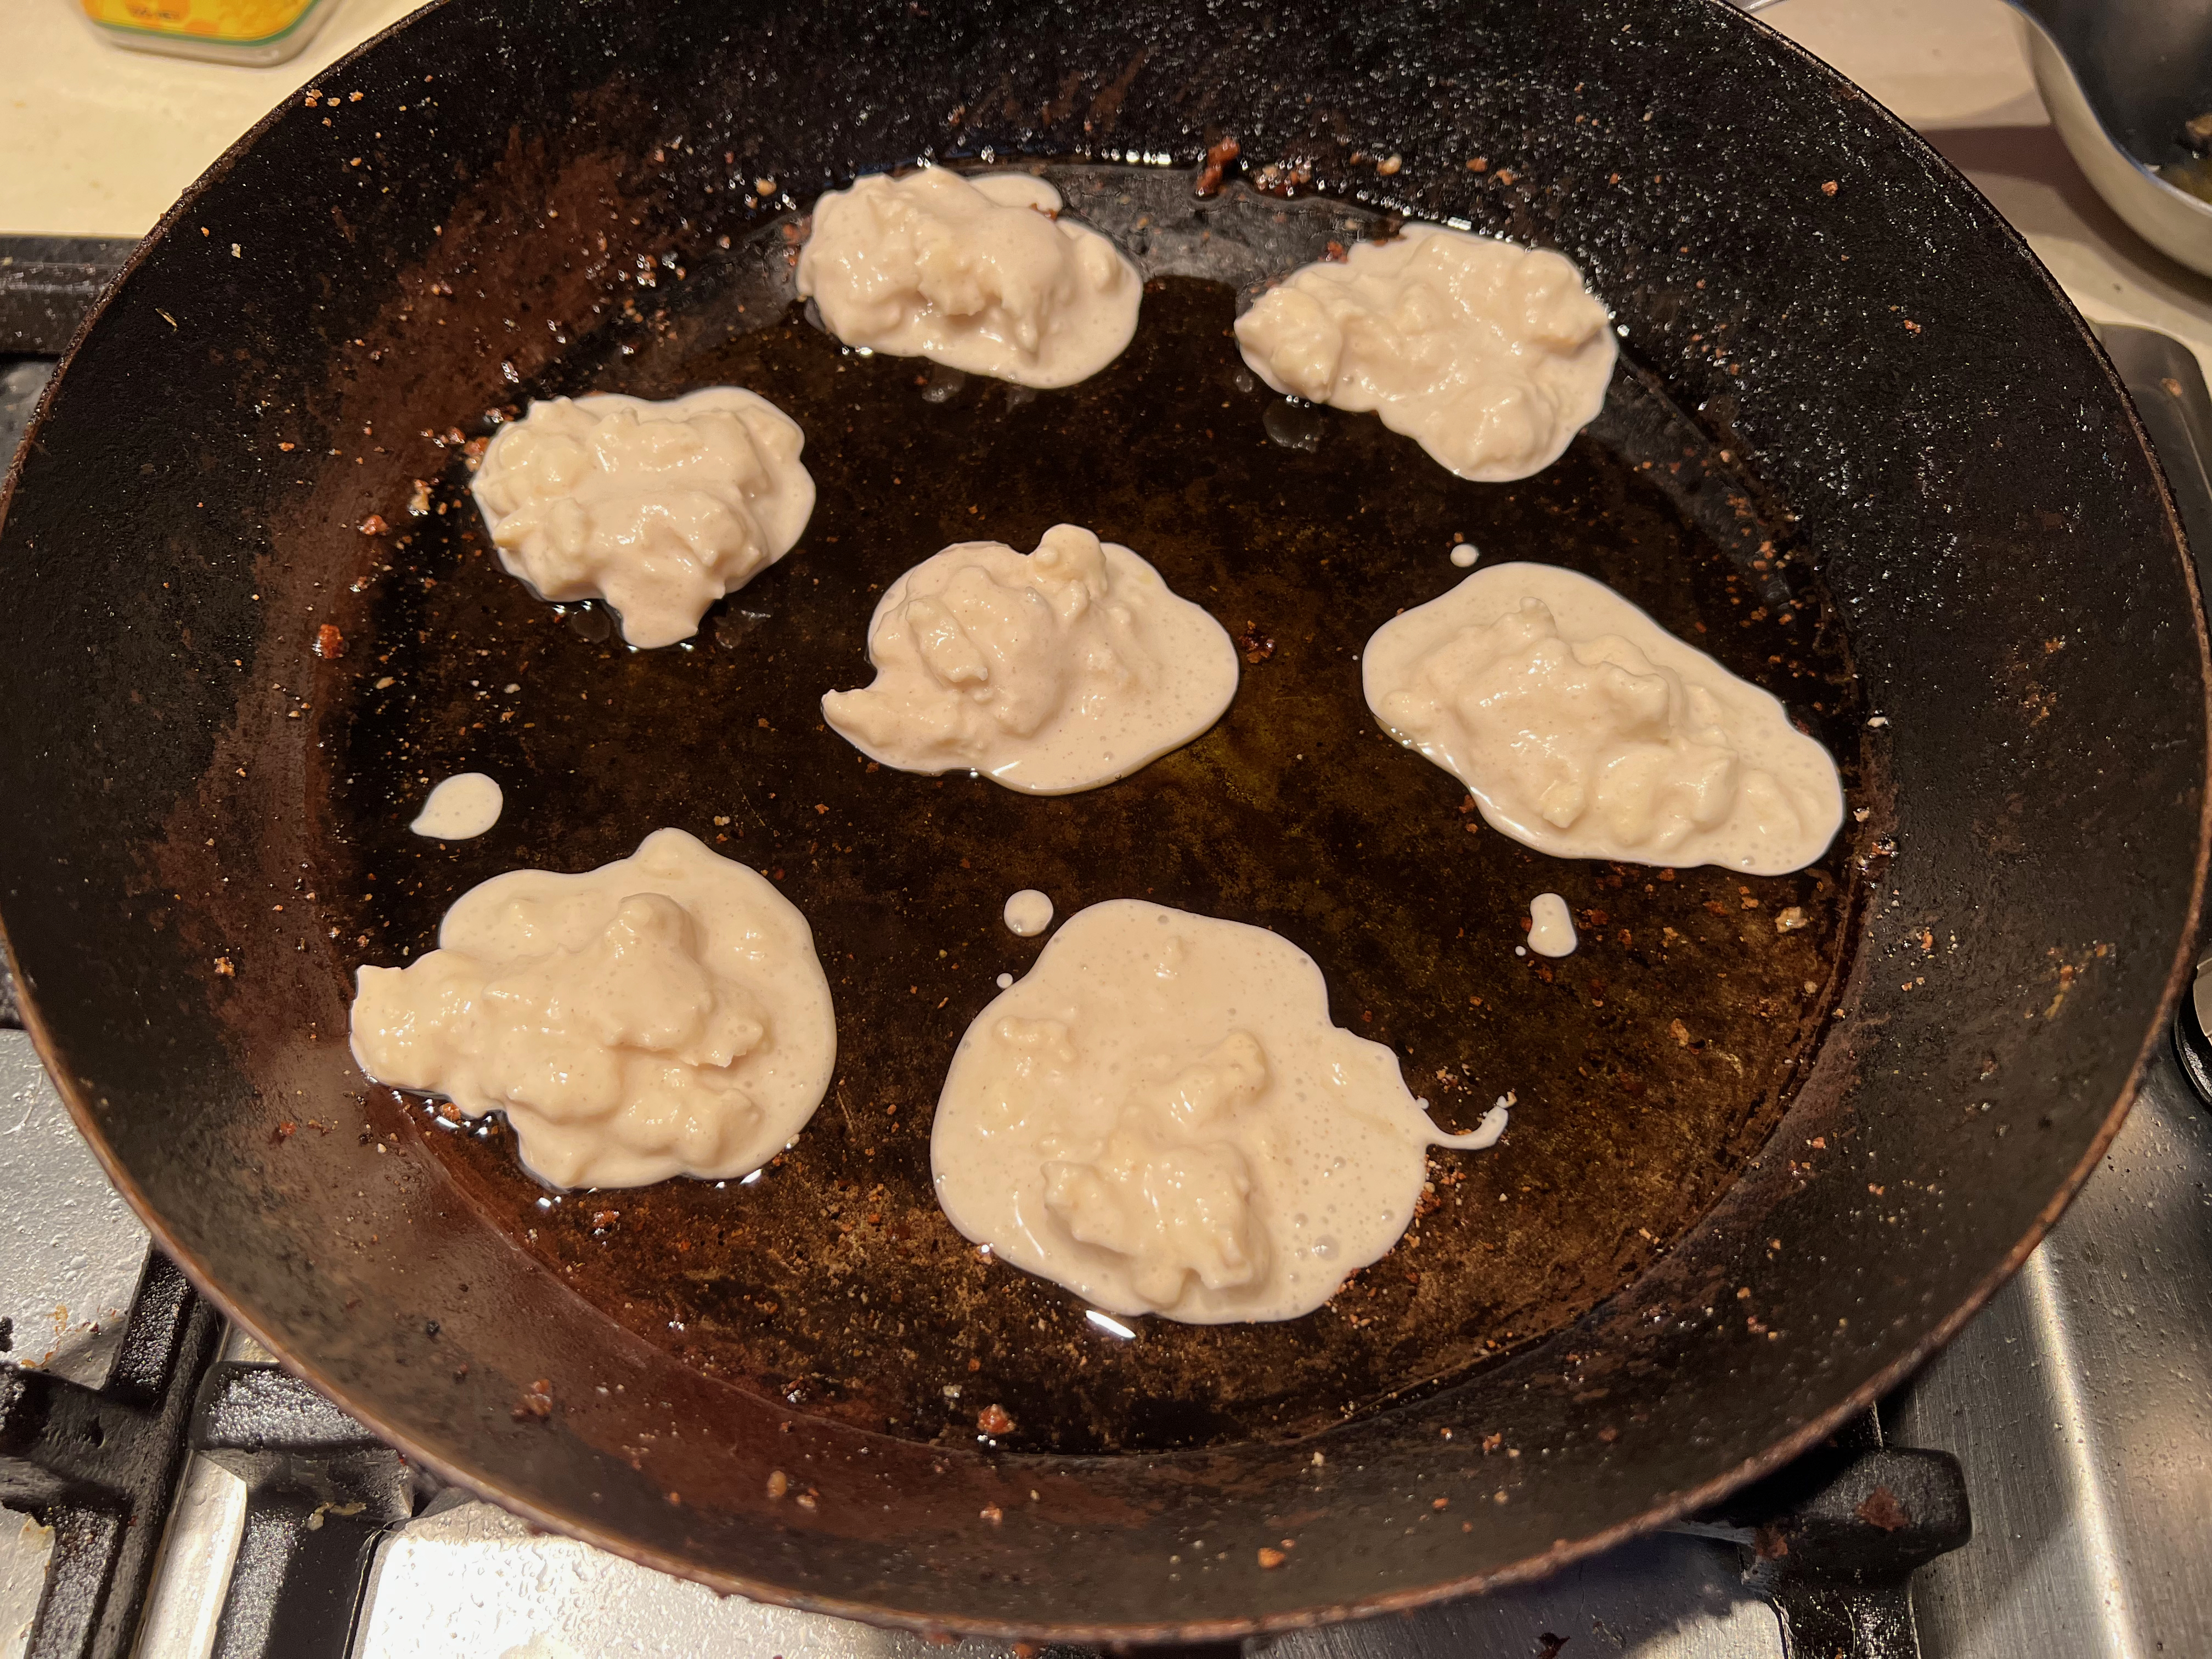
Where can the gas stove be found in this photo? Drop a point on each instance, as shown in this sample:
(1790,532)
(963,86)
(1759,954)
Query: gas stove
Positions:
(2045,1485)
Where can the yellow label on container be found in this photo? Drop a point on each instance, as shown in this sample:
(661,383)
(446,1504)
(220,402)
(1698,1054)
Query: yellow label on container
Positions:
(228,22)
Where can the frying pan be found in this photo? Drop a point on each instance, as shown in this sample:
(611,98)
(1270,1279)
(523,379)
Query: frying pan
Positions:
(1859,446)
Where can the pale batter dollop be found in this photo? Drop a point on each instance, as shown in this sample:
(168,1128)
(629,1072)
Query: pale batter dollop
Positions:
(1050,672)
(1550,926)
(1585,730)
(658,509)
(1028,913)
(973,270)
(460,808)
(661,1015)
(1490,356)
(1161,1117)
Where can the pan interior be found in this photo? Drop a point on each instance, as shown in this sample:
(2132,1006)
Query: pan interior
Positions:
(1646,1069)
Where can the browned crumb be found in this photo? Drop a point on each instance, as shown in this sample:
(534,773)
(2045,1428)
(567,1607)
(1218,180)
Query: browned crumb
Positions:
(1218,156)
(778,1483)
(1271,1559)
(225,968)
(329,644)
(538,1403)
(373,525)
(1255,645)
(1882,1509)
(992,1513)
(995,1420)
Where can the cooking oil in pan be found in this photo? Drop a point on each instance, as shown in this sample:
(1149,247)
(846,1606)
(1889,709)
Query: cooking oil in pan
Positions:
(1647,1068)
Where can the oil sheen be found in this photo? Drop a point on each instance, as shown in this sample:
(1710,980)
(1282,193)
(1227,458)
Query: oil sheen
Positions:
(1262,819)
(1161,1117)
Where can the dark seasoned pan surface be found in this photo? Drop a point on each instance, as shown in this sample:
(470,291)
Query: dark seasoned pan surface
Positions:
(1645,1069)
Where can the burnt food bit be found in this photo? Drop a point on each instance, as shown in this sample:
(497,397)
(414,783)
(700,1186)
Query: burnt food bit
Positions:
(1218,156)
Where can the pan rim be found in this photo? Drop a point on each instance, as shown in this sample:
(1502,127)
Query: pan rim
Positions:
(74,1093)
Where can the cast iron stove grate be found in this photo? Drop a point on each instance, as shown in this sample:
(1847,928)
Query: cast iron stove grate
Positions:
(1832,1541)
